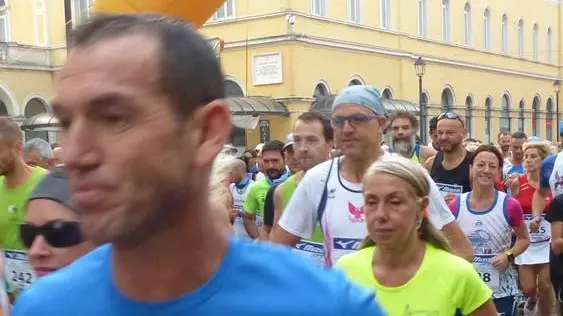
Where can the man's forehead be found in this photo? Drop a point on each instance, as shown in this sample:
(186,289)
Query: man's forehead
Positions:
(401,121)
(94,69)
(449,124)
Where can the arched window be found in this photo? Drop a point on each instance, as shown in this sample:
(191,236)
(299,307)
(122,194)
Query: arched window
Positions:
(487,29)
(549,45)
(447,100)
(521,107)
(521,38)
(467,24)
(387,94)
(504,34)
(505,113)
(446,21)
(354,82)
(320,90)
(549,120)
(536,39)
(232,89)
(469,114)
(488,106)
(422,6)
(535,116)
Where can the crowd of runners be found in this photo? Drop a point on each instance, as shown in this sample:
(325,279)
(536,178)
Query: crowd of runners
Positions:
(144,211)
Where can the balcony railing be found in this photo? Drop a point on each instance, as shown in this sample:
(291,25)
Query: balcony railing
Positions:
(24,55)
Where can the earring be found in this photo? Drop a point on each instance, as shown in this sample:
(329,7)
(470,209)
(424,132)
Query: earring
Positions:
(418,223)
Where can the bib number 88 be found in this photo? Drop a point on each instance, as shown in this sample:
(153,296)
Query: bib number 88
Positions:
(486,277)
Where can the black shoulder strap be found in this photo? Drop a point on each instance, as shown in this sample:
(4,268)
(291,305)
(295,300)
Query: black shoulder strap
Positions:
(322,204)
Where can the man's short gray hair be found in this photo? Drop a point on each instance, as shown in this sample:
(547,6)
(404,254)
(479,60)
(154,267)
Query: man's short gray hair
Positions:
(42,147)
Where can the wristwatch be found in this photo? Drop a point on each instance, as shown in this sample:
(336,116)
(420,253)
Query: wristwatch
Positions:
(509,255)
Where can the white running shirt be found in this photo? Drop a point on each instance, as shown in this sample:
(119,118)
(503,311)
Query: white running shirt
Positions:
(343,221)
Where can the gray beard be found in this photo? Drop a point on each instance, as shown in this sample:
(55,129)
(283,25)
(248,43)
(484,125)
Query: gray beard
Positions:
(404,147)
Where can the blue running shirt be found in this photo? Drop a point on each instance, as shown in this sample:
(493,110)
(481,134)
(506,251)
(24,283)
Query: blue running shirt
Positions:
(253,279)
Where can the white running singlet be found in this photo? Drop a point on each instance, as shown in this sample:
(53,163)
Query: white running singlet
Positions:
(490,234)
(343,221)
(239,195)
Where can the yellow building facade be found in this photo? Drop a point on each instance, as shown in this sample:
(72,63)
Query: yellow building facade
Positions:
(492,62)
(32,48)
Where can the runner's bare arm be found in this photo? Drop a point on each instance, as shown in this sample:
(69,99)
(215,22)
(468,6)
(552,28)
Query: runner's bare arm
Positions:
(515,187)
(538,206)
(522,239)
(250,225)
(278,203)
(557,237)
(458,241)
(426,153)
(281,236)
(487,309)
(428,163)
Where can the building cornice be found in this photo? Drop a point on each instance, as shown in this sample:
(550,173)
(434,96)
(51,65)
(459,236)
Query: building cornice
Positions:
(376,29)
(337,44)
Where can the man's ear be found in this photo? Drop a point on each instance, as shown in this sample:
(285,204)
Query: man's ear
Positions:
(213,122)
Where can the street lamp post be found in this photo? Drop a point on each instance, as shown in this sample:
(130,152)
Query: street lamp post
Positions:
(420,68)
(557,88)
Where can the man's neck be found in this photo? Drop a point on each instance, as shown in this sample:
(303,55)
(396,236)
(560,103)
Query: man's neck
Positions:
(22,172)
(455,156)
(354,168)
(515,162)
(175,261)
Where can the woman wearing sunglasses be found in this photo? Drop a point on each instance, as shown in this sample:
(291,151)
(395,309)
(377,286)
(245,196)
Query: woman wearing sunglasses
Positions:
(404,258)
(51,231)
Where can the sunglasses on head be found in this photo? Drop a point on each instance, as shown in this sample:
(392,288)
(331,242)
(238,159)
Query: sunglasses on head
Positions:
(449,116)
(59,234)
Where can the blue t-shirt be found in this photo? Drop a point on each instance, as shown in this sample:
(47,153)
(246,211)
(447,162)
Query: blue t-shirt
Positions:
(546,170)
(253,279)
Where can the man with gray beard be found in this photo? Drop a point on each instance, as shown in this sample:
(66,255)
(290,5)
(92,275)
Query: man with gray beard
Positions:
(403,126)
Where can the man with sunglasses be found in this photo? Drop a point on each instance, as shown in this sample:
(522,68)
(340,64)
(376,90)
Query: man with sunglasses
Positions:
(17,180)
(134,80)
(450,167)
(331,193)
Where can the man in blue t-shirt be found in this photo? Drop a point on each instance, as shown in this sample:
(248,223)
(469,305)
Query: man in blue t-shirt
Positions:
(132,82)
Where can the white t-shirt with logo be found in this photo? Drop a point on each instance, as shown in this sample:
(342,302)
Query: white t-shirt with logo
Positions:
(343,221)
(239,195)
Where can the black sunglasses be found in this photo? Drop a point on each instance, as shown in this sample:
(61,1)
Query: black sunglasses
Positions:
(450,116)
(59,234)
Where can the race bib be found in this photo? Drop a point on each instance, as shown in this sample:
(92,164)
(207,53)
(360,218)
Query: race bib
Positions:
(259,221)
(312,251)
(487,272)
(544,232)
(18,272)
(446,189)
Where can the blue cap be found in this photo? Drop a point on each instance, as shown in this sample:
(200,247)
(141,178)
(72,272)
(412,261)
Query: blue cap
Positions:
(534,139)
(362,95)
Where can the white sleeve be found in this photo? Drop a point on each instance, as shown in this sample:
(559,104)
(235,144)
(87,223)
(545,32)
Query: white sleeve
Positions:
(440,214)
(299,217)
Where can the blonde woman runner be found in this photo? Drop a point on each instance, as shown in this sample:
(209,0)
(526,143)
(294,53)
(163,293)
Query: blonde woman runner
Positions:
(533,264)
(412,268)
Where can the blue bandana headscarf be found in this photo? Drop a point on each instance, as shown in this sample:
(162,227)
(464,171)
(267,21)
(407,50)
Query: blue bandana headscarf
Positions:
(366,96)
